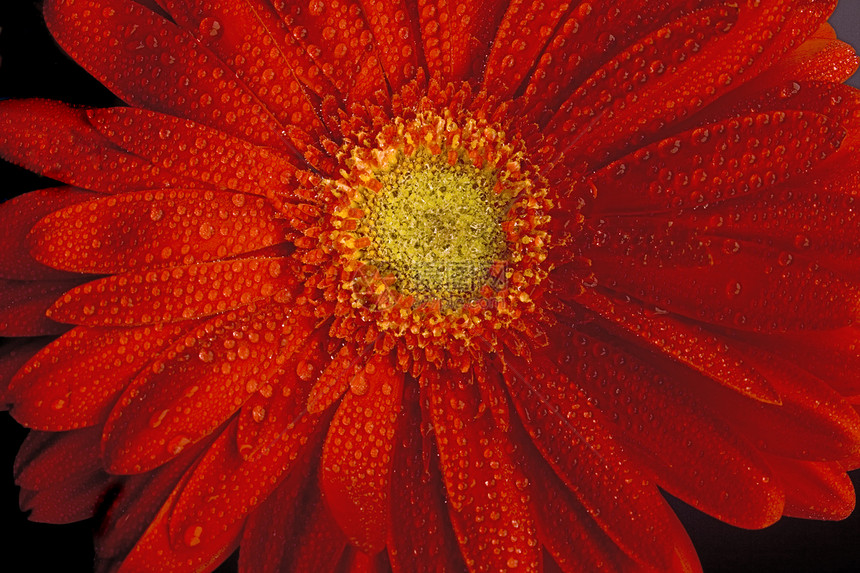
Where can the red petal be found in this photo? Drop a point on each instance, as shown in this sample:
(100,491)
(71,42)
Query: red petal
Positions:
(198,550)
(289,535)
(60,476)
(691,344)
(355,471)
(57,141)
(814,490)
(487,499)
(67,502)
(154,228)
(709,65)
(19,215)
(336,378)
(832,356)
(457,36)
(608,113)
(74,381)
(356,561)
(692,454)
(273,410)
(46,460)
(586,39)
(24,306)
(224,488)
(821,57)
(15,354)
(190,390)
(574,439)
(397,38)
(225,27)
(523,33)
(812,423)
(418,501)
(716,162)
(196,151)
(835,101)
(741,288)
(565,529)
(175,294)
(139,500)
(339,40)
(149,62)
(272,530)
(804,223)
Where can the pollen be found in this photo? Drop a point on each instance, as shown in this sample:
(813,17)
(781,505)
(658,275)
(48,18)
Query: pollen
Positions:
(437,228)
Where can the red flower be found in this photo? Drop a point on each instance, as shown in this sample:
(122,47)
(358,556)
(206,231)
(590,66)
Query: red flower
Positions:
(357,285)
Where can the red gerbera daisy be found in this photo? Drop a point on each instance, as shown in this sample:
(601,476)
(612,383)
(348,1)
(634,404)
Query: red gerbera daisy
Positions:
(406,286)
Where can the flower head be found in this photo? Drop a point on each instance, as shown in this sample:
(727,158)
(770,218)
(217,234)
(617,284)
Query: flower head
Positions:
(431,286)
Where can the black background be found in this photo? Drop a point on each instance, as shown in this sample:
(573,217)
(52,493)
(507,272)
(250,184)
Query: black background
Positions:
(32,66)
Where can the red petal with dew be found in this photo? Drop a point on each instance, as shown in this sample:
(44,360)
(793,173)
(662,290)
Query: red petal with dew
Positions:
(195,386)
(814,490)
(57,141)
(224,488)
(716,162)
(813,422)
(150,229)
(199,153)
(707,352)
(144,297)
(139,500)
(19,214)
(574,439)
(74,381)
(691,453)
(197,550)
(720,55)
(522,35)
(273,409)
(24,306)
(355,470)
(15,354)
(339,40)
(394,24)
(418,500)
(149,62)
(487,493)
(457,36)
(225,27)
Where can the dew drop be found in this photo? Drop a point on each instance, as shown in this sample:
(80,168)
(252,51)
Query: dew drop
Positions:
(210,27)
(316,7)
(305,370)
(177,444)
(206,231)
(192,535)
(157,418)
(359,384)
(733,289)
(785,259)
(258,413)
(801,241)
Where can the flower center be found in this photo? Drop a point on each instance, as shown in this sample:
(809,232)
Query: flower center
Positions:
(436,227)
(435,237)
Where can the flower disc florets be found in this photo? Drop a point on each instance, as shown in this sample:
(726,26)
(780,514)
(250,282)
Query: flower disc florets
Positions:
(437,234)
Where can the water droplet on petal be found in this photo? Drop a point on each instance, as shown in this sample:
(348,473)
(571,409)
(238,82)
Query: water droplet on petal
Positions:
(177,444)
(192,535)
